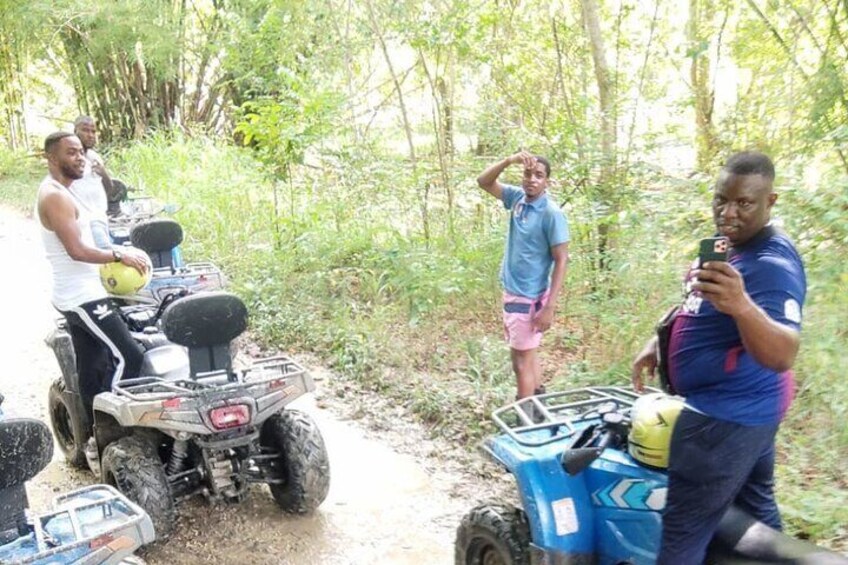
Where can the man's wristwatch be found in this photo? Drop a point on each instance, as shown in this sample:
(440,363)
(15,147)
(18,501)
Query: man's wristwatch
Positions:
(117,255)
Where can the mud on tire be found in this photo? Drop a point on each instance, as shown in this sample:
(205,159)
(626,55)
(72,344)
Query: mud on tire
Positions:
(493,534)
(303,461)
(69,430)
(132,465)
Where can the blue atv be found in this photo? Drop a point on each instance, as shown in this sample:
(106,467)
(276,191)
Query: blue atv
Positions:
(585,500)
(92,525)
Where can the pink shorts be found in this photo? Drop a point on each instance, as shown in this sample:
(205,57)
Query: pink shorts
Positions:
(518,313)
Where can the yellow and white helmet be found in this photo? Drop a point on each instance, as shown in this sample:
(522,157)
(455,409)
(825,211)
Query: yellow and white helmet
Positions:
(652,420)
(120,279)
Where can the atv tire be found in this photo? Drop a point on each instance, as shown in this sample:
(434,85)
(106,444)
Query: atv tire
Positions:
(493,535)
(69,431)
(303,461)
(132,465)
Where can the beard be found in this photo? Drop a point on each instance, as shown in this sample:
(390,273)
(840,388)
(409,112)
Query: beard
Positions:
(71,171)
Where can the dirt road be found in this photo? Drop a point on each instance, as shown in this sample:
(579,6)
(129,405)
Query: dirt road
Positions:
(395,497)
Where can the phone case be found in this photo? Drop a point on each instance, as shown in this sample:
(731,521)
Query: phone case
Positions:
(713,249)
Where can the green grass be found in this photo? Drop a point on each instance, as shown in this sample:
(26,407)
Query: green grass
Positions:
(336,262)
(20,175)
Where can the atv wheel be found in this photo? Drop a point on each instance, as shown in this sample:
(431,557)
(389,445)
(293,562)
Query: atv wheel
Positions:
(131,465)
(493,535)
(68,430)
(303,461)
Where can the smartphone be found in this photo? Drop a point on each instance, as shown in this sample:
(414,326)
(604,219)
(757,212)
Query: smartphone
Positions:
(713,249)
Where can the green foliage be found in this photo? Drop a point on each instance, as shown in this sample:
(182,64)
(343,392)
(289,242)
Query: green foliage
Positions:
(221,193)
(283,128)
(386,265)
(19,178)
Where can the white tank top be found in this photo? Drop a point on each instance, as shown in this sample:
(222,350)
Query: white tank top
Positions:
(74,282)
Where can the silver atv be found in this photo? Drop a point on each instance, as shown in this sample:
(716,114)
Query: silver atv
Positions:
(160,238)
(192,423)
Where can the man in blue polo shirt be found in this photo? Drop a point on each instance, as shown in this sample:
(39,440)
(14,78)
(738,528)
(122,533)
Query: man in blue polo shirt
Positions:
(534,263)
(731,350)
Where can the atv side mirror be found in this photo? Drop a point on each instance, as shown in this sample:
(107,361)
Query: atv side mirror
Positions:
(579,456)
(575,461)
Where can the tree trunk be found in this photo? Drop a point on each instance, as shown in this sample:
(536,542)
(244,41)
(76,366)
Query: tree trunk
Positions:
(569,107)
(407,128)
(698,34)
(606,97)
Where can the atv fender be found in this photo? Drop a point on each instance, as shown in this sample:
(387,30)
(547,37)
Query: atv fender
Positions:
(108,403)
(558,506)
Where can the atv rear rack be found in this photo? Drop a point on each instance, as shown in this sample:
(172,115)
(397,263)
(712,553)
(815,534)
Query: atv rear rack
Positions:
(193,277)
(262,372)
(545,418)
(88,524)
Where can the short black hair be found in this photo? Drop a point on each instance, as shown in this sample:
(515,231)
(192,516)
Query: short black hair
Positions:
(546,163)
(750,163)
(51,140)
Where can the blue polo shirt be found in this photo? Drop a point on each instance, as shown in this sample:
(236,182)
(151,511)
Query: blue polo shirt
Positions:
(708,363)
(534,227)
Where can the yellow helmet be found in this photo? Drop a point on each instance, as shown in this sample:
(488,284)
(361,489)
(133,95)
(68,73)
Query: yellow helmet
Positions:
(652,421)
(120,279)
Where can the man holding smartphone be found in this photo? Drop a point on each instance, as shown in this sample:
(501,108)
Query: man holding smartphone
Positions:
(732,346)
(534,263)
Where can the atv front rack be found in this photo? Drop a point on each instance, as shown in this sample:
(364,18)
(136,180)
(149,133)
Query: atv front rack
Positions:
(261,373)
(545,418)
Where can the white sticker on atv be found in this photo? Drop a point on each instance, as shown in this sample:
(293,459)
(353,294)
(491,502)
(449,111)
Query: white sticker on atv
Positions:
(565,516)
(792,310)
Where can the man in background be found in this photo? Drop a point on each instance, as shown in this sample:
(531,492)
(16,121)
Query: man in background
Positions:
(95,188)
(534,264)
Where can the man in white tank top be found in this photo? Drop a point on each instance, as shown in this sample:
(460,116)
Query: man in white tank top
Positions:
(98,332)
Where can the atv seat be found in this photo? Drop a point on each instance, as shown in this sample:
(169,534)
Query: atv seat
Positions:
(26,448)
(206,324)
(157,238)
(150,341)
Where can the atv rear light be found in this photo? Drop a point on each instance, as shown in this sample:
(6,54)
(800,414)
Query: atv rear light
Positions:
(112,543)
(230,416)
(172,403)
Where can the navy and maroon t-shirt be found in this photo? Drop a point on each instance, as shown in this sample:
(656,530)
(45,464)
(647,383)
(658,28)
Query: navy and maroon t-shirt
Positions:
(707,362)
